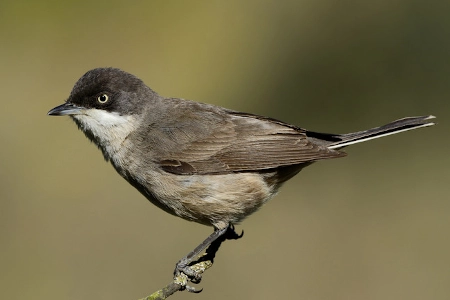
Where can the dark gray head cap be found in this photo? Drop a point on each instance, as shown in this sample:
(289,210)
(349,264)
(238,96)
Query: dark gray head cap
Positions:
(127,93)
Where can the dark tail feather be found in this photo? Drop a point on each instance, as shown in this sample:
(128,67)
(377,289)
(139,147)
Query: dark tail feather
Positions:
(336,141)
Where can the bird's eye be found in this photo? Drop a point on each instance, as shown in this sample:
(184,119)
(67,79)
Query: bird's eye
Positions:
(103,98)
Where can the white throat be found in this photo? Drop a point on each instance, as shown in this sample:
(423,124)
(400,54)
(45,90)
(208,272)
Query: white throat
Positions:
(108,130)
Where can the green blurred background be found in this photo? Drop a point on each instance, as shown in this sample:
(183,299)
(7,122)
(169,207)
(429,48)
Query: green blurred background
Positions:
(374,225)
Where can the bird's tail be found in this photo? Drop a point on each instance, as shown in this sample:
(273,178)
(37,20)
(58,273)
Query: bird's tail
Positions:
(336,141)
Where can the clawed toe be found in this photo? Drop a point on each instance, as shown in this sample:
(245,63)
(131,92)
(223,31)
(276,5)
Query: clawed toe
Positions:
(194,275)
(231,234)
(192,289)
(187,273)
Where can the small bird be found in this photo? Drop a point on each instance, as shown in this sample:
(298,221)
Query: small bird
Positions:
(197,161)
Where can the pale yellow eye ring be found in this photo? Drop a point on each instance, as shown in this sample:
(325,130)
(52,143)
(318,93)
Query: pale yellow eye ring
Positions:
(103,98)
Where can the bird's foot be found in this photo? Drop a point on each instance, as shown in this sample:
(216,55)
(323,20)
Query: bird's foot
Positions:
(184,273)
(191,270)
(231,234)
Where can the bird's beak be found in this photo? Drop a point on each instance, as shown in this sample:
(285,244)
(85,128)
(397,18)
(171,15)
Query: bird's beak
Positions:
(65,109)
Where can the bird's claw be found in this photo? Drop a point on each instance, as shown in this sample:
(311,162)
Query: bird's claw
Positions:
(231,234)
(188,273)
(193,275)
(192,289)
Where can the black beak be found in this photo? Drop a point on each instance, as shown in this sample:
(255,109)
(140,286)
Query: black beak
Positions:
(65,109)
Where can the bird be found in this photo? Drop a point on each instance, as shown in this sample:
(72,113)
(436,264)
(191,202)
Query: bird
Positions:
(198,161)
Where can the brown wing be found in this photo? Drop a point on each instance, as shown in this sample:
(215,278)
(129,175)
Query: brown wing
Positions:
(211,140)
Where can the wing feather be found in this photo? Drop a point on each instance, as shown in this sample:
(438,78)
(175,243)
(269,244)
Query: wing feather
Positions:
(210,140)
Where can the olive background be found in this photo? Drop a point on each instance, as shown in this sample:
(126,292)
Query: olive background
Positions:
(373,225)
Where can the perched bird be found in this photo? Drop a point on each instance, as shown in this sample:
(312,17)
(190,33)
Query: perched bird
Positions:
(197,161)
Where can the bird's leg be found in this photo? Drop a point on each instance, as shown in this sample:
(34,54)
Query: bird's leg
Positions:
(216,238)
(183,265)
